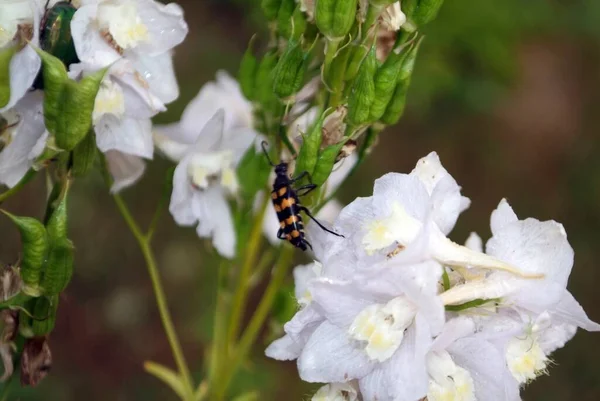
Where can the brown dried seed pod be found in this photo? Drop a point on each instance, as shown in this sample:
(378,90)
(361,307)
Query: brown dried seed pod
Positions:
(36,361)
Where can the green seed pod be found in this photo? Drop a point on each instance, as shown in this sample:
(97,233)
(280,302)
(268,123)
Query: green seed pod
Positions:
(75,120)
(5,58)
(44,315)
(358,53)
(298,24)
(335,17)
(288,75)
(57,220)
(247,72)
(55,76)
(363,91)
(325,163)
(264,78)
(285,18)
(309,152)
(395,107)
(385,84)
(35,244)
(426,11)
(84,155)
(270,8)
(59,268)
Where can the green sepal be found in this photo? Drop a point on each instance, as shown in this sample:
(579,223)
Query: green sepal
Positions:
(288,75)
(363,91)
(59,268)
(35,245)
(84,155)
(335,17)
(44,315)
(57,221)
(285,17)
(247,72)
(385,84)
(299,23)
(311,144)
(358,52)
(68,105)
(6,56)
(326,162)
(253,173)
(270,8)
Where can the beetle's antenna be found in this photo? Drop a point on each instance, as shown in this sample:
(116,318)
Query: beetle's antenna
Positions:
(264,148)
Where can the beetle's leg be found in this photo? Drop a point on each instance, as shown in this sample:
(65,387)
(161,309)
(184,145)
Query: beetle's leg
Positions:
(280,234)
(305,210)
(306,188)
(301,176)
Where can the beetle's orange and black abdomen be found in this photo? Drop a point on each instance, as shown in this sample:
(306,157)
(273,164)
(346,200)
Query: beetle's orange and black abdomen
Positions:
(287,207)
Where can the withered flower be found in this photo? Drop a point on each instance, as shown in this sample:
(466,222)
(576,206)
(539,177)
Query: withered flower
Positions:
(36,361)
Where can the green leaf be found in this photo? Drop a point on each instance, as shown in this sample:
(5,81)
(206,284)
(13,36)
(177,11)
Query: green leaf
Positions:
(44,315)
(326,161)
(35,245)
(309,152)
(168,376)
(84,155)
(59,268)
(264,79)
(6,56)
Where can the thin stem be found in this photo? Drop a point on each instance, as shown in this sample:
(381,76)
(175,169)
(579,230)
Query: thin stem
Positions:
(14,190)
(219,345)
(164,198)
(241,291)
(257,321)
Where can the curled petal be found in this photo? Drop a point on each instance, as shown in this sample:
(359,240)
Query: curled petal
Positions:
(125,169)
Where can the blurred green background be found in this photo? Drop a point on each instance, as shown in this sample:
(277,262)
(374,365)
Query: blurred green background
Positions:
(507,92)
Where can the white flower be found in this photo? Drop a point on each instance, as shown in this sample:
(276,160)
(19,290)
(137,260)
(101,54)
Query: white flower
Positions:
(336,392)
(22,138)
(19,22)
(392,18)
(124,168)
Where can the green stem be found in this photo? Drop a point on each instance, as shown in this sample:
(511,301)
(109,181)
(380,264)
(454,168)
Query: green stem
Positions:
(330,52)
(219,345)
(164,199)
(257,321)
(249,260)
(14,190)
(286,141)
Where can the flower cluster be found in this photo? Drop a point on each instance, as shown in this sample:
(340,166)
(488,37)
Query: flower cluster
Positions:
(397,311)
(132,38)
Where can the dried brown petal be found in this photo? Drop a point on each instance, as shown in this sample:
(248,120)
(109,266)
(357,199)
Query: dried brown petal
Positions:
(36,361)
(10,282)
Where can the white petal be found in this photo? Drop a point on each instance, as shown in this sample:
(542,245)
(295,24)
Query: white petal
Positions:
(165,24)
(23,69)
(404,376)
(90,46)
(329,212)
(330,356)
(303,324)
(570,311)
(158,72)
(502,216)
(407,190)
(535,248)
(125,169)
(488,369)
(474,242)
(454,329)
(181,197)
(126,135)
(211,134)
(283,349)
(17,157)
(215,220)
(174,150)
(124,72)
(238,140)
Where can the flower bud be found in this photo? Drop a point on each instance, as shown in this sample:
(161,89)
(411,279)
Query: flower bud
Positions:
(385,84)
(326,162)
(270,8)
(59,268)
(309,151)
(285,18)
(421,11)
(84,155)
(35,245)
(56,224)
(288,75)
(335,18)
(5,58)
(298,24)
(264,78)
(357,55)
(363,91)
(247,72)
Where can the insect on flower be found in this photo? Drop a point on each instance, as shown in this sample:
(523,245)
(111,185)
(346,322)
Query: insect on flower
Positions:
(288,207)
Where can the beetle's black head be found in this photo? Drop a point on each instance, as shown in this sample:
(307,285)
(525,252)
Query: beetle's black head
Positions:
(281,168)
